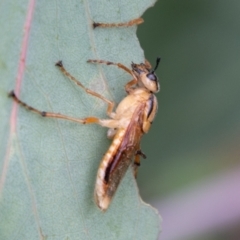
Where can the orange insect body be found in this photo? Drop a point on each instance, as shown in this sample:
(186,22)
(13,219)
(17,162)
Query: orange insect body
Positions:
(132,118)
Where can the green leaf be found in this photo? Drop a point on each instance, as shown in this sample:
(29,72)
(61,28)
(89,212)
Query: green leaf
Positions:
(48,166)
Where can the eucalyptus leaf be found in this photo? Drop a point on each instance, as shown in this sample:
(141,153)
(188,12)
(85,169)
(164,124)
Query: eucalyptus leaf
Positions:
(48,166)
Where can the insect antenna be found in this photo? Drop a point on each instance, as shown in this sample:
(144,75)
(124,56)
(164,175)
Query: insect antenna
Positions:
(157,63)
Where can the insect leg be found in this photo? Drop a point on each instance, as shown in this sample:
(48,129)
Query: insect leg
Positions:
(137,163)
(67,74)
(128,86)
(111,63)
(135,21)
(53,115)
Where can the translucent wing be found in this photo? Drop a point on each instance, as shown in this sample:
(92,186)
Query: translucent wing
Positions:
(121,159)
(126,151)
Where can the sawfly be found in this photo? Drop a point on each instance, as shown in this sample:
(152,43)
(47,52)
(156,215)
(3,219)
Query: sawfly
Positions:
(131,119)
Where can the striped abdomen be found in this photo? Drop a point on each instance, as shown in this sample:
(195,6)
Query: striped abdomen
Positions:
(105,187)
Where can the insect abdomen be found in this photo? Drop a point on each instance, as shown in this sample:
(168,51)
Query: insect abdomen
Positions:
(101,193)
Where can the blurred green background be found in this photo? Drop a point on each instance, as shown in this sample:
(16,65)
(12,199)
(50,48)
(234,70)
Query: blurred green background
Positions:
(196,135)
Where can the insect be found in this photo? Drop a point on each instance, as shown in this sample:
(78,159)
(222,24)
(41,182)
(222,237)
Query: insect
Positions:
(131,119)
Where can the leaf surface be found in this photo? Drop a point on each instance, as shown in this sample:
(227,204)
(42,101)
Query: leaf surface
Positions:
(48,166)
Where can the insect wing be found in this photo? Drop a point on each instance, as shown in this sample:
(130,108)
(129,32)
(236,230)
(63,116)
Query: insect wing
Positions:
(125,154)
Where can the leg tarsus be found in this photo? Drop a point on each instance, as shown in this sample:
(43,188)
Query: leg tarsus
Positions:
(95,24)
(11,94)
(139,152)
(59,64)
(135,21)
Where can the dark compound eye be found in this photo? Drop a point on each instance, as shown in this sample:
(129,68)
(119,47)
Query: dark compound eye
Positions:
(152,77)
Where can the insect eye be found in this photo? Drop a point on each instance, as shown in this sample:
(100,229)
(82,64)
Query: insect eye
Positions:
(152,77)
